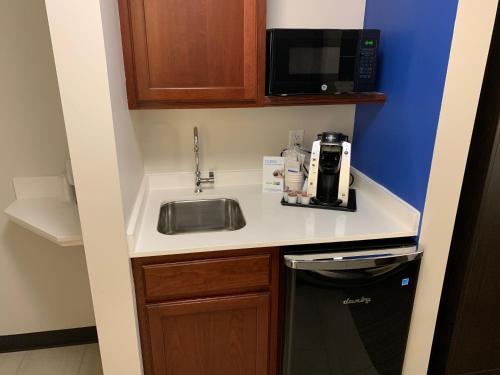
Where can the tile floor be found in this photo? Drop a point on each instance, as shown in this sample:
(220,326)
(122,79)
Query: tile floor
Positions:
(68,360)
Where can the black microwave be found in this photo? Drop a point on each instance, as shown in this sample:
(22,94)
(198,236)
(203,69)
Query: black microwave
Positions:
(326,61)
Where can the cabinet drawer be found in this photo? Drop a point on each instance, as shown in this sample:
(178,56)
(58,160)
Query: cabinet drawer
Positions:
(206,277)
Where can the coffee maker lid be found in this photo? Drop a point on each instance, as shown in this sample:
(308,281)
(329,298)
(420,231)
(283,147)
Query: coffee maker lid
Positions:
(333,138)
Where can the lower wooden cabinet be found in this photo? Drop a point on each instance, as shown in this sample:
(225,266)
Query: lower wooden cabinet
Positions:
(211,336)
(220,329)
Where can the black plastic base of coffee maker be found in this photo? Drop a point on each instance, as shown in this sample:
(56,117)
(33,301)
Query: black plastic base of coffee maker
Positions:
(351,205)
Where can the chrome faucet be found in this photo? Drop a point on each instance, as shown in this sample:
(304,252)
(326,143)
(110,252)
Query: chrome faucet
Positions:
(198,179)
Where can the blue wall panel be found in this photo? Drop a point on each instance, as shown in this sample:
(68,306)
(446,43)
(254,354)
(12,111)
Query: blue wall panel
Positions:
(393,143)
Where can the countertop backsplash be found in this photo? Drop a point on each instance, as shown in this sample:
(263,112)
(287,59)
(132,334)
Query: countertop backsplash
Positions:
(230,139)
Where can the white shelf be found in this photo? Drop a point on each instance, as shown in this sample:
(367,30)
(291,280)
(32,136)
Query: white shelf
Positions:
(44,206)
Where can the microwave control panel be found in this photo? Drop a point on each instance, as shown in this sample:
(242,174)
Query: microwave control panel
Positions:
(366,66)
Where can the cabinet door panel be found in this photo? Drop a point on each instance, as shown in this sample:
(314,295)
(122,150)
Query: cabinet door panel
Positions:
(196,50)
(211,336)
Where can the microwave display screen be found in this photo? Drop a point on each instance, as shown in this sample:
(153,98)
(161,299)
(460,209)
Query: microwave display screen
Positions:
(314,60)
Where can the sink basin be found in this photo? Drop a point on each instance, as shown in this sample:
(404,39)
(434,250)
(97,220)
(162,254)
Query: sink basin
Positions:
(204,215)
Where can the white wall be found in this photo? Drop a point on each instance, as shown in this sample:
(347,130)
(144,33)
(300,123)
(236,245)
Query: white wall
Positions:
(86,39)
(474,22)
(316,14)
(238,138)
(130,164)
(42,286)
(230,139)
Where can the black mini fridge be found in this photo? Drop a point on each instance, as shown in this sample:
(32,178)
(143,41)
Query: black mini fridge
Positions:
(348,307)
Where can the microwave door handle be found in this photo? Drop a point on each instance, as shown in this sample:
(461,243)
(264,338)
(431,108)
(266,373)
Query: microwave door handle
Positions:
(352,262)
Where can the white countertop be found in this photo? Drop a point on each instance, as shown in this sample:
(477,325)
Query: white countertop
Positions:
(380,214)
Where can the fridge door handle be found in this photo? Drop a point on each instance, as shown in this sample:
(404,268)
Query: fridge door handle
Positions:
(352,261)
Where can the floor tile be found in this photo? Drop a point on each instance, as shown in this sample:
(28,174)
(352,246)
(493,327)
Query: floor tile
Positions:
(91,362)
(55,361)
(10,362)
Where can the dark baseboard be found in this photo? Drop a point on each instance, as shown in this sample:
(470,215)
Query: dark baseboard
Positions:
(49,339)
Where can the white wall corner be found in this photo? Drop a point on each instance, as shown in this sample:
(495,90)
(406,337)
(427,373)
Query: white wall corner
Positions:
(129,157)
(319,14)
(475,22)
(87,52)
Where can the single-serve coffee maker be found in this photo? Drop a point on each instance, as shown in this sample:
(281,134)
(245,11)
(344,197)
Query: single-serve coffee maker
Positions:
(330,169)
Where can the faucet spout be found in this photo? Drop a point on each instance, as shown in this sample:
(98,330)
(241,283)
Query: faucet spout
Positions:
(198,179)
(195,131)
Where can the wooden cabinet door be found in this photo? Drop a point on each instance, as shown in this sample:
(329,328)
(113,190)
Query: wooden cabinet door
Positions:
(179,51)
(216,336)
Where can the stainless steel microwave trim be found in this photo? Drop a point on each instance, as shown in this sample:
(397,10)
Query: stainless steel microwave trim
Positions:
(352,260)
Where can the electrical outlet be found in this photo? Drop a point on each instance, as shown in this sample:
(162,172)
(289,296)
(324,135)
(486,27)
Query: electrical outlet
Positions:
(296,137)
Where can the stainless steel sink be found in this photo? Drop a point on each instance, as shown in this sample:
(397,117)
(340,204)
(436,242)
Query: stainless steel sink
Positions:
(204,215)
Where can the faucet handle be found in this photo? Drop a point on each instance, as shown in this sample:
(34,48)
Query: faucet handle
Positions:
(211,175)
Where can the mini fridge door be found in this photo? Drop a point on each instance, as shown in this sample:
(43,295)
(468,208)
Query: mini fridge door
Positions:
(348,313)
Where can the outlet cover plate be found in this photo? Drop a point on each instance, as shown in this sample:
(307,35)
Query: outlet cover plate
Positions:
(296,137)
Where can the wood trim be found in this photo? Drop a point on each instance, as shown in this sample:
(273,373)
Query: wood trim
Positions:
(275,101)
(251,33)
(142,317)
(275,314)
(128,53)
(350,98)
(48,339)
(206,277)
(266,101)
(194,105)
(139,46)
(261,51)
(142,261)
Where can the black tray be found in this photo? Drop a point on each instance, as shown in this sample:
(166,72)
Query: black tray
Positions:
(351,207)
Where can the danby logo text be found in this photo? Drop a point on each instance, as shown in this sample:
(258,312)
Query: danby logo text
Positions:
(350,301)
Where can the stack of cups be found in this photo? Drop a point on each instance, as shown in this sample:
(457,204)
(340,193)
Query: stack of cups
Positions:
(294,177)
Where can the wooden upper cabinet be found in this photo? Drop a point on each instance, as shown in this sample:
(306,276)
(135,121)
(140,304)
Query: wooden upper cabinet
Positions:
(193,52)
